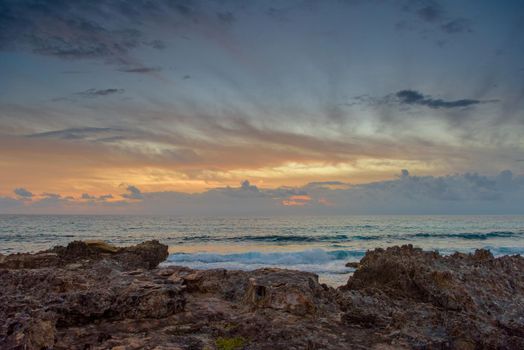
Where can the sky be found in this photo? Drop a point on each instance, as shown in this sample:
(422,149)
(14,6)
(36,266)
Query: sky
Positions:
(262,107)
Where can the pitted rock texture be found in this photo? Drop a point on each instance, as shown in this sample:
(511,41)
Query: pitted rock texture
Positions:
(145,255)
(90,295)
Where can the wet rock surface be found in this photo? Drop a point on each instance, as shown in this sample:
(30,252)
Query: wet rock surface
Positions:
(90,295)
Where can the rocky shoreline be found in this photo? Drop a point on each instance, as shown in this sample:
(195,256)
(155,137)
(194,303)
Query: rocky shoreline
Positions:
(91,295)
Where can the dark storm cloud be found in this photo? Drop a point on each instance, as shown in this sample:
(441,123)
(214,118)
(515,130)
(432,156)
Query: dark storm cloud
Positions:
(413,97)
(100,92)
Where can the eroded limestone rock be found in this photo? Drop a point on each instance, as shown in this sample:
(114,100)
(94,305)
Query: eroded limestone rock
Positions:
(90,295)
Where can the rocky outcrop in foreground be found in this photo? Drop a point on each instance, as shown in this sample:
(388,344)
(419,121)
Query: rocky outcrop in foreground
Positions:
(90,295)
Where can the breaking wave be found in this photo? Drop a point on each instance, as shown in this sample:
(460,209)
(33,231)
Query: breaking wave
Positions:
(305,257)
(348,238)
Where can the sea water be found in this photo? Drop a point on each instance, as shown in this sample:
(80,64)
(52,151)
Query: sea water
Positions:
(320,244)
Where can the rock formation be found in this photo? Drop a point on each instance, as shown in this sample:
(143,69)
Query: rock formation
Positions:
(90,295)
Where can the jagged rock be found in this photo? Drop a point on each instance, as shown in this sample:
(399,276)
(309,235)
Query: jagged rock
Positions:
(284,290)
(353,264)
(90,295)
(458,300)
(29,332)
(144,255)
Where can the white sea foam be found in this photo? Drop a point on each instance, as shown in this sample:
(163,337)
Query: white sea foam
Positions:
(305,257)
(330,265)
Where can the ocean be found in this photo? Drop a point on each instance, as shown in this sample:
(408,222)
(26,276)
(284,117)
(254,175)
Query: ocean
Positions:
(321,244)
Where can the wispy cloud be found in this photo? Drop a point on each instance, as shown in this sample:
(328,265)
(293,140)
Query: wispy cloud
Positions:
(430,11)
(413,97)
(74,133)
(140,70)
(76,30)
(434,14)
(90,93)
(226,17)
(458,25)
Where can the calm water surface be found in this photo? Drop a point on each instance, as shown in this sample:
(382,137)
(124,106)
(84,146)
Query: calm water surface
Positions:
(318,244)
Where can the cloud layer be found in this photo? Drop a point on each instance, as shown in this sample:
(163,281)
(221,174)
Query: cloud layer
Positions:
(186,95)
(468,193)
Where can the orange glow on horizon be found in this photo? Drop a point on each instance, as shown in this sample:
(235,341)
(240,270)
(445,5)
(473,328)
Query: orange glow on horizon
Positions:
(74,168)
(296,201)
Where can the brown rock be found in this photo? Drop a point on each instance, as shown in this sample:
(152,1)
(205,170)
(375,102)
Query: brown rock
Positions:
(443,300)
(144,255)
(284,290)
(353,264)
(90,295)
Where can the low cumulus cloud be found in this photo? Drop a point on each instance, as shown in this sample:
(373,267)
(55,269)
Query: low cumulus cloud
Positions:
(468,193)
(133,193)
(51,195)
(246,189)
(23,193)
(102,198)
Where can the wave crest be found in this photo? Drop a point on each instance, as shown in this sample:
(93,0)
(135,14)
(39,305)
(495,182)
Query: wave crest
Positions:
(337,238)
(305,257)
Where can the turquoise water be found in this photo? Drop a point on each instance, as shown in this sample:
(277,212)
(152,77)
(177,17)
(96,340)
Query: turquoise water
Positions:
(318,244)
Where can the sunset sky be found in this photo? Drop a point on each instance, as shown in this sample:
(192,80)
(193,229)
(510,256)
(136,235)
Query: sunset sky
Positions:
(182,106)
